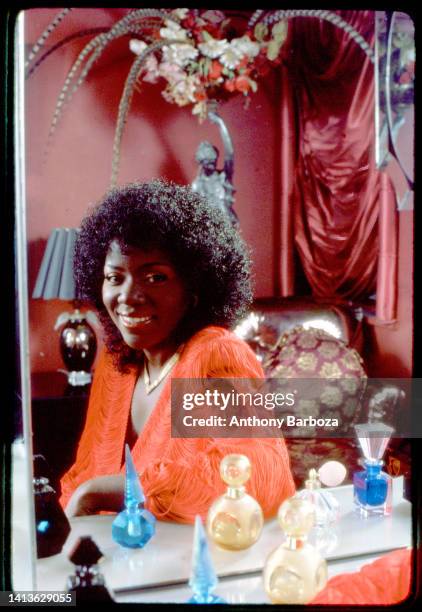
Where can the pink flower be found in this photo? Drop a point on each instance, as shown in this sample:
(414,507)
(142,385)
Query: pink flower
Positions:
(151,69)
(242,84)
(405,78)
(215,70)
(213,16)
(171,72)
(230,85)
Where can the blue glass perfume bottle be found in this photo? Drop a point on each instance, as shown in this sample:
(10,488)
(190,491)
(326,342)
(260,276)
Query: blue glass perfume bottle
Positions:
(372,487)
(134,526)
(203,578)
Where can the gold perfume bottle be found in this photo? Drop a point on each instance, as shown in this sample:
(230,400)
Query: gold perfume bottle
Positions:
(295,571)
(235,519)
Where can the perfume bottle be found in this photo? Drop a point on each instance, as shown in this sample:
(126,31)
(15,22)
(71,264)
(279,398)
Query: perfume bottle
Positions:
(295,571)
(203,579)
(235,519)
(87,582)
(52,524)
(323,534)
(371,486)
(135,525)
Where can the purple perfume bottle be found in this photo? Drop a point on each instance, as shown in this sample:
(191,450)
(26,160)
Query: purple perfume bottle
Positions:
(372,487)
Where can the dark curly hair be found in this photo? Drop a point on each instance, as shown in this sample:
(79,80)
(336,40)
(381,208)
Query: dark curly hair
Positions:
(207,252)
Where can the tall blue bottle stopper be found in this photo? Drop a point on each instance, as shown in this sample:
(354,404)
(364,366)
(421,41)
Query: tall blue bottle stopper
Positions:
(135,525)
(203,579)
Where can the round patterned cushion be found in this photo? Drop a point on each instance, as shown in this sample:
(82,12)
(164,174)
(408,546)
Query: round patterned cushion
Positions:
(314,354)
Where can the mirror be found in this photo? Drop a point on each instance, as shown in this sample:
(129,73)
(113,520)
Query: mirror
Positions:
(23,516)
(395,74)
(273,121)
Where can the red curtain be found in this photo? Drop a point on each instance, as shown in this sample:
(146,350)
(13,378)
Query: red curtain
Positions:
(342,209)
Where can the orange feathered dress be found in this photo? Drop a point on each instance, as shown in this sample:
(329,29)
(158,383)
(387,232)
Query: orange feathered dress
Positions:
(386,581)
(180,477)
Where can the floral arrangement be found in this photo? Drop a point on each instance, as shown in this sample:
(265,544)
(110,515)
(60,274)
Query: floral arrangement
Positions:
(201,56)
(209,61)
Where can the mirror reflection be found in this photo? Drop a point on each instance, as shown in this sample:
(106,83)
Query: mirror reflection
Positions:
(395,75)
(204,203)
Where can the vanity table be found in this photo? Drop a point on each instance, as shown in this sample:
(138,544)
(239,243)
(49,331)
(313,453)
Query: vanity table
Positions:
(58,417)
(160,571)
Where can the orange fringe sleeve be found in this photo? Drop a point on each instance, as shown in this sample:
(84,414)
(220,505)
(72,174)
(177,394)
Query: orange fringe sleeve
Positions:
(186,480)
(385,581)
(85,466)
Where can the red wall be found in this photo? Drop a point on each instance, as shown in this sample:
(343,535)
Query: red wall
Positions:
(160,140)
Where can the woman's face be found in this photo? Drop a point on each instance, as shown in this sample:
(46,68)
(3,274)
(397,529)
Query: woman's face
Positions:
(144,295)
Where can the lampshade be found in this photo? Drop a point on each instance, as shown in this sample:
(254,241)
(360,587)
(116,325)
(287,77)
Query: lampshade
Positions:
(55,278)
(78,344)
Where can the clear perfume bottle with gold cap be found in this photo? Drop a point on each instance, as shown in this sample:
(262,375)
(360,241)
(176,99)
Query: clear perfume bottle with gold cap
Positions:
(295,571)
(235,519)
(323,534)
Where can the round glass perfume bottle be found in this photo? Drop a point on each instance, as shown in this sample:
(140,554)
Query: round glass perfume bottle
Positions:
(323,534)
(135,525)
(295,571)
(235,519)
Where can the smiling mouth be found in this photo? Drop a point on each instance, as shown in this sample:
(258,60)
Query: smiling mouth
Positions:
(129,321)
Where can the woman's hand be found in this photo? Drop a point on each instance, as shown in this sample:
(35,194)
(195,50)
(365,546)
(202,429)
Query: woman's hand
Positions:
(100,493)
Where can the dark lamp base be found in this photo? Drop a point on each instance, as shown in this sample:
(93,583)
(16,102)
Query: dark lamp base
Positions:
(78,346)
(77,378)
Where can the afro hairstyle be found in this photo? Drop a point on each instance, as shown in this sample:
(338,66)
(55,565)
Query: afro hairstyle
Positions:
(207,251)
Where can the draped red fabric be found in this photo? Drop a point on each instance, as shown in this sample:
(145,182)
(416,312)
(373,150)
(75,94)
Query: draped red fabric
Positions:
(287,170)
(388,253)
(339,194)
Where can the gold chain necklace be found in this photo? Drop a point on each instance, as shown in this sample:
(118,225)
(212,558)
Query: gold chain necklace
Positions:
(150,386)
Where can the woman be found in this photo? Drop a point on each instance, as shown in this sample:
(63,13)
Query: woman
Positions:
(168,275)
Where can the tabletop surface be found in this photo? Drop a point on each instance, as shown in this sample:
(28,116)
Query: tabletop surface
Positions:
(160,571)
(165,562)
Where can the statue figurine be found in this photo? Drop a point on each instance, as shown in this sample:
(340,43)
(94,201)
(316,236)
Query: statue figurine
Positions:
(216,185)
